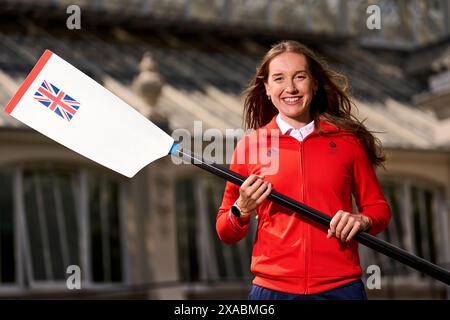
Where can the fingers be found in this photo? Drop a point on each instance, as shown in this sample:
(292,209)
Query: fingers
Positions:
(354,230)
(253,192)
(346,229)
(251,184)
(265,190)
(330,234)
(250,180)
(344,225)
(335,222)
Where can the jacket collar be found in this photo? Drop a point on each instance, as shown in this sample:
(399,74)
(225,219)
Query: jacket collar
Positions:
(286,127)
(326,126)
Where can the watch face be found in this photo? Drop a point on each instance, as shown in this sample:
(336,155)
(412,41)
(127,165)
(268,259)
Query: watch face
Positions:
(235,211)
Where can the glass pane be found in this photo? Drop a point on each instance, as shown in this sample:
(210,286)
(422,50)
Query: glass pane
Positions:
(213,206)
(64,183)
(394,234)
(186,230)
(114,235)
(34,227)
(106,254)
(416,221)
(425,232)
(429,198)
(233,261)
(54,232)
(51,223)
(7,245)
(95,232)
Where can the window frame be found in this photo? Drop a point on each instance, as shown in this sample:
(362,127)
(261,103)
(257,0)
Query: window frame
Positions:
(440,221)
(207,251)
(19,283)
(24,265)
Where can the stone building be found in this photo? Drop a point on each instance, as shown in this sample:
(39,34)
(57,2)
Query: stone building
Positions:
(153,236)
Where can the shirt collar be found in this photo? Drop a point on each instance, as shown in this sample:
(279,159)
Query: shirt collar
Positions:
(285,127)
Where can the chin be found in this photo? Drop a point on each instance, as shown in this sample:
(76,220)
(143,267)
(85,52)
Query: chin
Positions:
(298,114)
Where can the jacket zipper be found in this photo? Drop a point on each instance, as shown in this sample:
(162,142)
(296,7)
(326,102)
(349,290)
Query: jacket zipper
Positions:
(302,190)
(305,225)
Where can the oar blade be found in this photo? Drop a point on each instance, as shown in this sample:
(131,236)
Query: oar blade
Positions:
(66,105)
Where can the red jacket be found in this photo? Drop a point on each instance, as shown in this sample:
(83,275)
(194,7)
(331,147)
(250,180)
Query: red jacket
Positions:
(323,171)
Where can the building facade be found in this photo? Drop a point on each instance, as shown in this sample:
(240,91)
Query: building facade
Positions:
(153,236)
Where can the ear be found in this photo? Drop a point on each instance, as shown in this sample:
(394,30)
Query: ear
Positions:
(267,88)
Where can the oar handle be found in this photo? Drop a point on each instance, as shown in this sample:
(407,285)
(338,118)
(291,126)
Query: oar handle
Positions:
(364,238)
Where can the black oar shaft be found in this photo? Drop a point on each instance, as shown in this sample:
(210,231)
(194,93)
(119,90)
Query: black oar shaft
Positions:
(364,238)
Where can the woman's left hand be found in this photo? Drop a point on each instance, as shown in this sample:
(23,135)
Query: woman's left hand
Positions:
(345,225)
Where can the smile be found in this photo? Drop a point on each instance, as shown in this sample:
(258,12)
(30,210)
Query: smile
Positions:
(291,100)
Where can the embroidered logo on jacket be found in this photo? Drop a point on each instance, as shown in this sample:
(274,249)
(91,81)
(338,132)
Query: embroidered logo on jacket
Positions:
(332,147)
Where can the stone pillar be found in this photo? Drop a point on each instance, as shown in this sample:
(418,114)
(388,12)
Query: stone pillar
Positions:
(162,230)
(148,84)
(159,224)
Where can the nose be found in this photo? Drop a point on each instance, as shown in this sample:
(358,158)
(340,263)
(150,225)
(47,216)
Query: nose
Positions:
(291,87)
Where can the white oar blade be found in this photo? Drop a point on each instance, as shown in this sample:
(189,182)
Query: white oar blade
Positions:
(69,107)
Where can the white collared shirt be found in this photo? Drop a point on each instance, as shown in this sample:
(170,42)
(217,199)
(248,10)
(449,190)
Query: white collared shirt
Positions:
(298,134)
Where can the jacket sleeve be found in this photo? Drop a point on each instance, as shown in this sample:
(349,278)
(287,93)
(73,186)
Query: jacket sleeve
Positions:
(368,193)
(229,229)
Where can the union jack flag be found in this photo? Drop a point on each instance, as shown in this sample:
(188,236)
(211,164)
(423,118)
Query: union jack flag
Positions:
(57,100)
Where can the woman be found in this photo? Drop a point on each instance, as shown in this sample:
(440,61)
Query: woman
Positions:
(323,156)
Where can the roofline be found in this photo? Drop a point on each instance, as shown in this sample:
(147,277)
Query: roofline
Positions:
(154,23)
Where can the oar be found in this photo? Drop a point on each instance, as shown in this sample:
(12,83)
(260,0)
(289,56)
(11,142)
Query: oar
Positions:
(69,107)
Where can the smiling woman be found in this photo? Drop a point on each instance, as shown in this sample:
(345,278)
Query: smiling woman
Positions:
(325,156)
(324,93)
(291,87)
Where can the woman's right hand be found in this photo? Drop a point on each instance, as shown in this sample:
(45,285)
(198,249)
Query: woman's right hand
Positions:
(252,193)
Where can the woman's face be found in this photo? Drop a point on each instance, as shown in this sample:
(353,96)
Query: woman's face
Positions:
(291,87)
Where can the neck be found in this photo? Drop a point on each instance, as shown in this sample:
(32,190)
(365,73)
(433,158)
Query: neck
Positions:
(297,123)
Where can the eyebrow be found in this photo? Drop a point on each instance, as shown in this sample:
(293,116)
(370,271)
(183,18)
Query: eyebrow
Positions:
(280,74)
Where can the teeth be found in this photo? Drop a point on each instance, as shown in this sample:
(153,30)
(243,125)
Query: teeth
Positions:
(291,99)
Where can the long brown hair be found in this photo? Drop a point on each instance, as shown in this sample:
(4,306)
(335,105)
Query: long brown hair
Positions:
(331,101)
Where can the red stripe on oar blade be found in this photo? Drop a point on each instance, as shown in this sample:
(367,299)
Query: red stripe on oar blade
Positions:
(28,81)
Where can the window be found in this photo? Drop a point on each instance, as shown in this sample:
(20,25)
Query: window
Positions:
(105,234)
(52,218)
(51,223)
(418,223)
(186,230)
(202,256)
(8,273)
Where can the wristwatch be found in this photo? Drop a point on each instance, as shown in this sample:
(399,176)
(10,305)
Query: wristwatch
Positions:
(236,211)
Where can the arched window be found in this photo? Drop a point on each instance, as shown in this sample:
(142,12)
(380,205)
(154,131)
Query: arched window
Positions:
(202,256)
(419,224)
(52,217)
(8,246)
